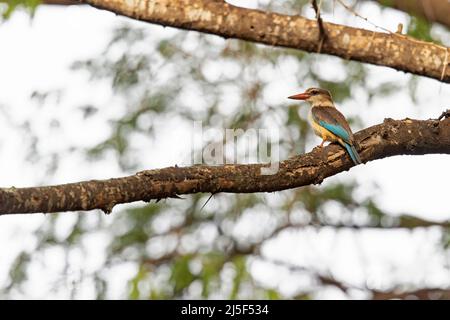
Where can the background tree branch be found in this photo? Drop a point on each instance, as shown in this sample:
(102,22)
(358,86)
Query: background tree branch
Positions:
(431,10)
(216,17)
(393,137)
(421,294)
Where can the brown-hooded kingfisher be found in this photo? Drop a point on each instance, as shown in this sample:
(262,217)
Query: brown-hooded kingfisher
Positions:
(327,122)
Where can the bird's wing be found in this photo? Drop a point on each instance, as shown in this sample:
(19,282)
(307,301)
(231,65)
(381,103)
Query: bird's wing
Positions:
(331,119)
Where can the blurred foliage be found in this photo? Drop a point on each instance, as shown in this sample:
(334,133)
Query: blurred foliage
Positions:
(8,7)
(420,28)
(176,248)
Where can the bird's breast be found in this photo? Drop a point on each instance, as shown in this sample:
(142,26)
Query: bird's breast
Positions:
(318,130)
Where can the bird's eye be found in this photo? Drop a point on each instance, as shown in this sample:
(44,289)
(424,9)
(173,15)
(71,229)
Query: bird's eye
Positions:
(314,92)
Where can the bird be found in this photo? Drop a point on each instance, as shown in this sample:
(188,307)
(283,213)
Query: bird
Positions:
(327,122)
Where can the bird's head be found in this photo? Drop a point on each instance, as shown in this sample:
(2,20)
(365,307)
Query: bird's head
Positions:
(315,96)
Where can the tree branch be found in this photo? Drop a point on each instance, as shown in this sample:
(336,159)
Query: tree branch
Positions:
(220,18)
(392,137)
(322,32)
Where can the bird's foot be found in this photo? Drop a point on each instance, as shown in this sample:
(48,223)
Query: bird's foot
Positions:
(321,145)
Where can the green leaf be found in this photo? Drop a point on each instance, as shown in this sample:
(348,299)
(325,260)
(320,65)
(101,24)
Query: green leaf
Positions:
(420,28)
(181,276)
(240,273)
(135,291)
(12,5)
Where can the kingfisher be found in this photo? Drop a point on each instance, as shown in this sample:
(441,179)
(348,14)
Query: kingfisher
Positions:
(327,122)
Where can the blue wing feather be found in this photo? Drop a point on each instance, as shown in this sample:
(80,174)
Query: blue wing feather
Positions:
(332,120)
(336,129)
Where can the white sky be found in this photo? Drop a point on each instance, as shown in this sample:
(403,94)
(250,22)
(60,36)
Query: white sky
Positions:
(36,55)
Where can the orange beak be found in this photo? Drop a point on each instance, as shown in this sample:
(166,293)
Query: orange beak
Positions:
(300,96)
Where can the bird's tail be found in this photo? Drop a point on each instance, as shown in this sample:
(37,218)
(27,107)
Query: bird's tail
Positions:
(353,153)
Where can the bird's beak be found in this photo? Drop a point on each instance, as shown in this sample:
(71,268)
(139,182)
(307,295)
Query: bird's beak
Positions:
(300,96)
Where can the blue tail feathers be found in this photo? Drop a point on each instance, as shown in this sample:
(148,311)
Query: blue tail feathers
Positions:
(353,153)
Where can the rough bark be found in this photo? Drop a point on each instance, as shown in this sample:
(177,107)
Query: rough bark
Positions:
(432,10)
(217,17)
(392,137)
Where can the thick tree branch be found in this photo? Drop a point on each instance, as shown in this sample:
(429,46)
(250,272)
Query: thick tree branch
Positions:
(217,17)
(432,10)
(393,137)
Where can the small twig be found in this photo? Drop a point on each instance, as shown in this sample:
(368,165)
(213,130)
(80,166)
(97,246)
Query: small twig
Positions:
(444,115)
(212,194)
(362,17)
(322,32)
